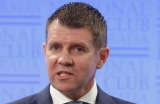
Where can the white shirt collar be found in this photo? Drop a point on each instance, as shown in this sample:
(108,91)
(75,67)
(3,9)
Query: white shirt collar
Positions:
(59,98)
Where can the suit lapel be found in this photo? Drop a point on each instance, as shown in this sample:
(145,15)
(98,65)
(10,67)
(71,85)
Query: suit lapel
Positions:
(43,97)
(103,98)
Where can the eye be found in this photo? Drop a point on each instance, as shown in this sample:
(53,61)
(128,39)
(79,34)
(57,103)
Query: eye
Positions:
(79,49)
(55,47)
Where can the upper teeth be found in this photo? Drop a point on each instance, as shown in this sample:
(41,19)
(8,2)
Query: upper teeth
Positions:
(63,74)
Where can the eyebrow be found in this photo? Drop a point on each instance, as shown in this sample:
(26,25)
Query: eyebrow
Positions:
(78,43)
(71,43)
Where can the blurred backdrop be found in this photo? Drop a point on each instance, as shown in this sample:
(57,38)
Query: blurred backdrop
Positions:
(132,71)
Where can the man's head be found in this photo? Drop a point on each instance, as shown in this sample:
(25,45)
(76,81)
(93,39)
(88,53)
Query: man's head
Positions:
(75,48)
(81,15)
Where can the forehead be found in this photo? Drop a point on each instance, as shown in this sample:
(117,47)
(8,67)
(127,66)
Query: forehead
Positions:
(56,31)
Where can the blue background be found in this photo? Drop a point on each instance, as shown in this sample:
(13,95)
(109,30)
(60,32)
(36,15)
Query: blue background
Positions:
(132,71)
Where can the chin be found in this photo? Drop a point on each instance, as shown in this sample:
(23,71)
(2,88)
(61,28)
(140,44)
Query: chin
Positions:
(64,88)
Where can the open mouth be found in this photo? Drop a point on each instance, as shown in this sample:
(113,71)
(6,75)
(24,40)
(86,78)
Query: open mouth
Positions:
(63,74)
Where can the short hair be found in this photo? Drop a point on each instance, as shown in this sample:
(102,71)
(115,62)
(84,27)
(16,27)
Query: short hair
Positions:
(81,15)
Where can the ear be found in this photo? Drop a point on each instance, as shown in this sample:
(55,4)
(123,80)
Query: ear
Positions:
(103,55)
(44,50)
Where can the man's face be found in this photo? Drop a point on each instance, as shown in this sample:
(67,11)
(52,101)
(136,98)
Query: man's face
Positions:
(71,59)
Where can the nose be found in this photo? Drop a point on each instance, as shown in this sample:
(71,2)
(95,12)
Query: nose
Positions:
(65,59)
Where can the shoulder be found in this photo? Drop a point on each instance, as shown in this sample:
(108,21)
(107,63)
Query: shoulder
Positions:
(42,97)
(120,101)
(104,98)
(25,100)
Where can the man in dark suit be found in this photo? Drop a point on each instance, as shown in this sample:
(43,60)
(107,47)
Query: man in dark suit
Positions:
(75,47)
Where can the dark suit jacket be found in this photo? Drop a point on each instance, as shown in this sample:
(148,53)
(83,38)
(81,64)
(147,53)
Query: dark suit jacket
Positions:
(44,97)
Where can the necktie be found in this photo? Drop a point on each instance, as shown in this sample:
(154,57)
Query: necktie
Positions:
(76,102)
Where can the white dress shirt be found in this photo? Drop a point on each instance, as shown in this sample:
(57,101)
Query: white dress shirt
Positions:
(59,98)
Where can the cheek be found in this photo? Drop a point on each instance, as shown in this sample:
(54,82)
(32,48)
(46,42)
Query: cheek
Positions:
(51,61)
(92,62)
(86,66)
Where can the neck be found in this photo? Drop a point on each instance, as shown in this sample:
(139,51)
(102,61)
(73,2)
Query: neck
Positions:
(77,94)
